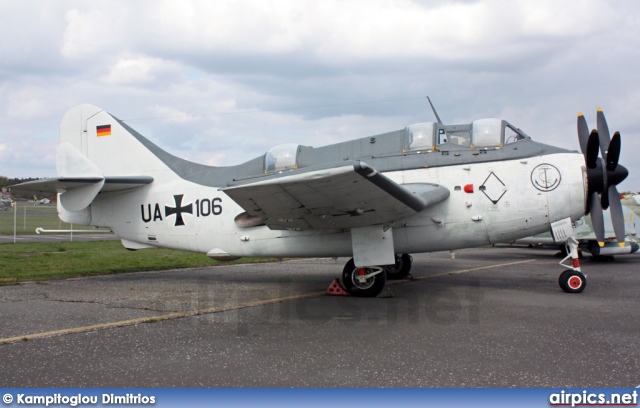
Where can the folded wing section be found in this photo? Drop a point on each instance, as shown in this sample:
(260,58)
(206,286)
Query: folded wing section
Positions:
(345,196)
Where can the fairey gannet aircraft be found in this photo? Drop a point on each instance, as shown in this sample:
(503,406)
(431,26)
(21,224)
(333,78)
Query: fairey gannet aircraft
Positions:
(427,187)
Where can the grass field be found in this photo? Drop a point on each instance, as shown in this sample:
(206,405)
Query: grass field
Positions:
(30,217)
(44,260)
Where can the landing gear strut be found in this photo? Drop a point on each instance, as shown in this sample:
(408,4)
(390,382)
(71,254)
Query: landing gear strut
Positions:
(572,280)
(363,282)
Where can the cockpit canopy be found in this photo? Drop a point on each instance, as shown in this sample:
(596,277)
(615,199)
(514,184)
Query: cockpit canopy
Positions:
(482,133)
(421,135)
(281,157)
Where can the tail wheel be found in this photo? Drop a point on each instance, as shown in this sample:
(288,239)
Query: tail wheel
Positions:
(401,268)
(363,282)
(572,281)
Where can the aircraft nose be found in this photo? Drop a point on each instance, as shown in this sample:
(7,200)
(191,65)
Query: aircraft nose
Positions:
(570,198)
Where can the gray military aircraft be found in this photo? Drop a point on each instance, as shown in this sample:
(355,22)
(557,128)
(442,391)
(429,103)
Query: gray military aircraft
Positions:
(427,187)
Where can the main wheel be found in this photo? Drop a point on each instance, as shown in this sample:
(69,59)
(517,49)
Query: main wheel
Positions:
(357,283)
(572,281)
(401,269)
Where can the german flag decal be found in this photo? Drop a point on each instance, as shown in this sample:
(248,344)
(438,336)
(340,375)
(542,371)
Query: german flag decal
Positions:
(104,130)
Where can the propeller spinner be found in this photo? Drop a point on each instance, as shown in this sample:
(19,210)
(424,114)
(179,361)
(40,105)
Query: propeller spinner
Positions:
(603,175)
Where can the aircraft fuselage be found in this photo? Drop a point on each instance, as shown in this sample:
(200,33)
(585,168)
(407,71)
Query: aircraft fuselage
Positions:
(490,202)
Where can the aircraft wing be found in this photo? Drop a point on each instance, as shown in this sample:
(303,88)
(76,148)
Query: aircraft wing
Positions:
(346,196)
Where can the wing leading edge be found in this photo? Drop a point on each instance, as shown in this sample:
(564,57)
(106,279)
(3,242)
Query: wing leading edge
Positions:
(346,196)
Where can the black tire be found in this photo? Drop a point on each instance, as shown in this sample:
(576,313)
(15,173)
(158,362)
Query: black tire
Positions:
(371,288)
(572,281)
(401,269)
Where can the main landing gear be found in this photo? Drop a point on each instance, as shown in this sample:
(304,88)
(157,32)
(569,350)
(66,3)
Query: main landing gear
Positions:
(401,268)
(572,280)
(369,281)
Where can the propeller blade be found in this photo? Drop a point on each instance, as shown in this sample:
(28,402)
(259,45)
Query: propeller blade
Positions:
(602,175)
(592,150)
(604,200)
(583,133)
(597,219)
(617,217)
(613,155)
(603,131)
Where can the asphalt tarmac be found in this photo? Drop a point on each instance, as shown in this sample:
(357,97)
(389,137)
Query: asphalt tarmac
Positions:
(493,317)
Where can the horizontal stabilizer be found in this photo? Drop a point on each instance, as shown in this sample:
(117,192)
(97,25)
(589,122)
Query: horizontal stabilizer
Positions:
(62,184)
(79,180)
(76,193)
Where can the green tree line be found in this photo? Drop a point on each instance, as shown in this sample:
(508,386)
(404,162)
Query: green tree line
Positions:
(8,182)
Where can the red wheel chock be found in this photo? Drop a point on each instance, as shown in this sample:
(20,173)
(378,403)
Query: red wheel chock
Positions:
(409,277)
(336,289)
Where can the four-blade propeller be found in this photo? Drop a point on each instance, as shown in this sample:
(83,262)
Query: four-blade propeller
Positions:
(603,175)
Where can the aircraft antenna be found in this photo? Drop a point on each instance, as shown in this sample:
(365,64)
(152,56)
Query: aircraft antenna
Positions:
(434,111)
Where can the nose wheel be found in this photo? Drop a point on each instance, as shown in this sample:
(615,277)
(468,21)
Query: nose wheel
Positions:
(363,281)
(572,280)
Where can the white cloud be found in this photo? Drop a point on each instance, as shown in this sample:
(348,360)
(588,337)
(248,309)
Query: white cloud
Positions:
(94,32)
(141,70)
(25,103)
(194,65)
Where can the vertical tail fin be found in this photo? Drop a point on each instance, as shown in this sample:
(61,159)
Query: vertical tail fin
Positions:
(111,147)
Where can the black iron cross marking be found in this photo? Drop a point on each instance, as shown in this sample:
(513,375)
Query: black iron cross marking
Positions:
(178,209)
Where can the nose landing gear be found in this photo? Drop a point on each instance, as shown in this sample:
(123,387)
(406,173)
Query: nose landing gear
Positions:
(572,280)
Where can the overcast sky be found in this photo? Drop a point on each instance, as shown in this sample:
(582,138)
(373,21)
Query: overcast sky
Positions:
(220,82)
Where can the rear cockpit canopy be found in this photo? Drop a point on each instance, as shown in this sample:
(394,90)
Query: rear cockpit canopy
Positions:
(281,157)
(482,133)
